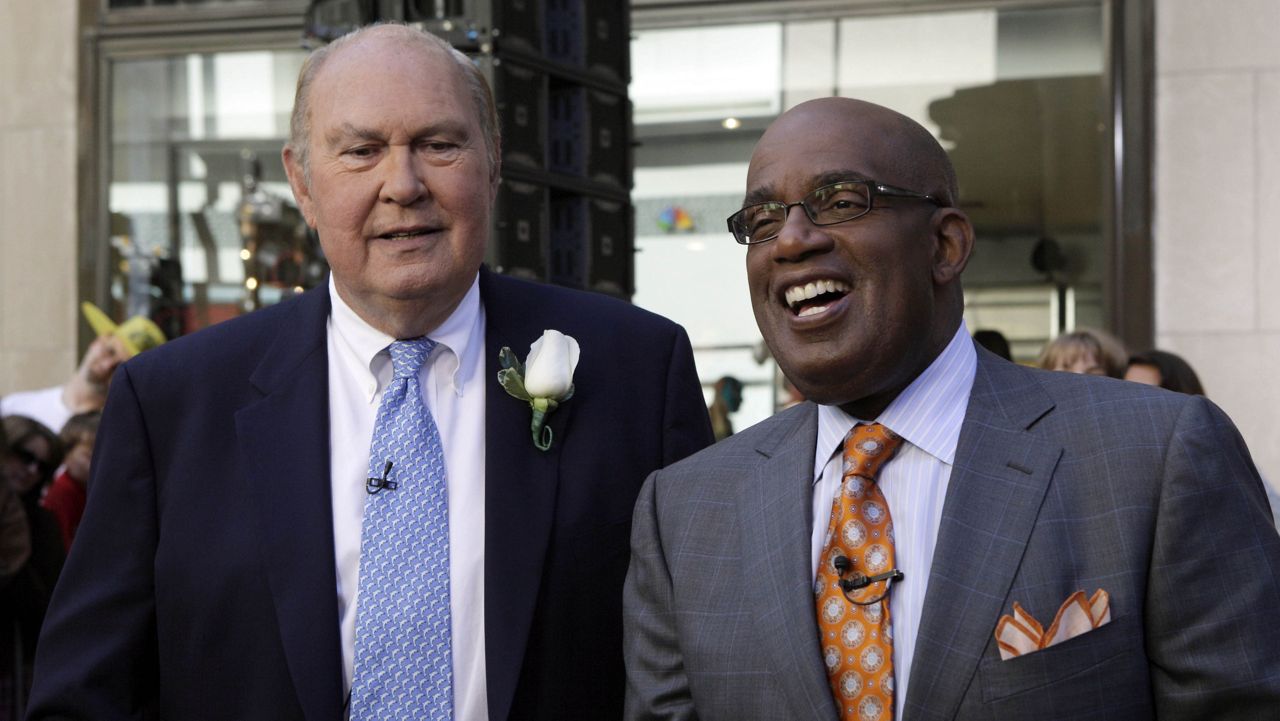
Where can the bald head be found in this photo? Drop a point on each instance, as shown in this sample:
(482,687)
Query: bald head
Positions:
(358,43)
(901,150)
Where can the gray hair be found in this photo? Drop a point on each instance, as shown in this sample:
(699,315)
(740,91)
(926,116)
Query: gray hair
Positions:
(481,95)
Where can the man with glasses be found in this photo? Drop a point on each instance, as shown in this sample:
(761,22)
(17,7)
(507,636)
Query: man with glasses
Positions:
(938,533)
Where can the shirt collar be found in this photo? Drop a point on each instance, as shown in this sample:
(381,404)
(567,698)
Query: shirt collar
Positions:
(928,413)
(458,339)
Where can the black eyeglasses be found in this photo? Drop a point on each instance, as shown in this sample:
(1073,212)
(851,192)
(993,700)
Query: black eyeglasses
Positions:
(864,590)
(828,205)
(27,458)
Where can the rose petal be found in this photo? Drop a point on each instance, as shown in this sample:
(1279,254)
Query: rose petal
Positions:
(550,365)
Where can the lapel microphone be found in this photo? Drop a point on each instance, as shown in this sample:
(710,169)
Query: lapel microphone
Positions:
(373,485)
(859,581)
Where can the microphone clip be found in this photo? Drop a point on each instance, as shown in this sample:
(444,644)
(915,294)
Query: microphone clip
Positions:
(373,485)
(858,581)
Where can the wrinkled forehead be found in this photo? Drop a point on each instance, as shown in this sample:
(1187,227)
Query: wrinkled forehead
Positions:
(383,81)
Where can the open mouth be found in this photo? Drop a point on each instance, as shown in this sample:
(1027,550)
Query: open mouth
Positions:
(814,297)
(403,234)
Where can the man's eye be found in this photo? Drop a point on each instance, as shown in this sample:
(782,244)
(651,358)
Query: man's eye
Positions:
(360,152)
(762,223)
(841,200)
(838,205)
(438,146)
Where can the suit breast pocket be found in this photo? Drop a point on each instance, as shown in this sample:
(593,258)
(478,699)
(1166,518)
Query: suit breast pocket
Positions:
(1110,656)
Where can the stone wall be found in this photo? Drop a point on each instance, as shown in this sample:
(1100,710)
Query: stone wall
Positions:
(38,81)
(1217,234)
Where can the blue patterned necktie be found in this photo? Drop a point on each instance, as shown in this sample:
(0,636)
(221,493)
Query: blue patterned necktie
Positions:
(403,647)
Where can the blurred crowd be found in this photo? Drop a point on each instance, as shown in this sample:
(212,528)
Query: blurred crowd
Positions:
(46,446)
(46,477)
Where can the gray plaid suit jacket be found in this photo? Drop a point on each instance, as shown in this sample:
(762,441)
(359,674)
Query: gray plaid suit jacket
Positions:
(1061,483)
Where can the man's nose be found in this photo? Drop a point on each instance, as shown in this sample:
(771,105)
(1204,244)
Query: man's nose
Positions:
(405,181)
(800,237)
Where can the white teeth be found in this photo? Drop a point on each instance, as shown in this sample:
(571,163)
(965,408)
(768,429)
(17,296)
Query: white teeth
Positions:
(408,234)
(799,293)
(812,310)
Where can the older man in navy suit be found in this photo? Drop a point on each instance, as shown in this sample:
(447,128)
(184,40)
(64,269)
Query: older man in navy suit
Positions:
(220,571)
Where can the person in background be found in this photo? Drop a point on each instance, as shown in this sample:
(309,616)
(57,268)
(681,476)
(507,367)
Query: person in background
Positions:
(728,399)
(86,389)
(15,535)
(66,496)
(33,452)
(994,341)
(15,549)
(1164,369)
(793,395)
(1085,351)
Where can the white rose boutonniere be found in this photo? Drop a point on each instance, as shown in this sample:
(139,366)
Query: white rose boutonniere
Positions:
(545,379)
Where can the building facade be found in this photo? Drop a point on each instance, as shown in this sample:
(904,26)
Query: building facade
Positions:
(1188,273)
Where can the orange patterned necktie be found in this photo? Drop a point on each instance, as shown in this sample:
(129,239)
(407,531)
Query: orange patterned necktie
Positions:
(857,640)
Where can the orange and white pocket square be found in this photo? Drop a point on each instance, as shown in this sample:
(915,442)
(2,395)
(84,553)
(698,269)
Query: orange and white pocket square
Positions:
(1020,633)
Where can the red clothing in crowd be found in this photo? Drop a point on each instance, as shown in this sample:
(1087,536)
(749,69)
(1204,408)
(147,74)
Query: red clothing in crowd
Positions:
(65,499)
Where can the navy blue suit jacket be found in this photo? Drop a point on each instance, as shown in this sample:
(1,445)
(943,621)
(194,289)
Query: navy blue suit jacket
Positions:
(202,582)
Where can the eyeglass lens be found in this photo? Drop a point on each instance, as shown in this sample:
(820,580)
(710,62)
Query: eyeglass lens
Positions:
(827,205)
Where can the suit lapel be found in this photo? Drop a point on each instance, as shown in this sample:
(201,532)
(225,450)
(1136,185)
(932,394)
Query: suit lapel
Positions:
(520,493)
(284,441)
(776,517)
(997,485)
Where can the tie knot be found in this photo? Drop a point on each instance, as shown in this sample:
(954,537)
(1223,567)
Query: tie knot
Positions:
(407,356)
(867,448)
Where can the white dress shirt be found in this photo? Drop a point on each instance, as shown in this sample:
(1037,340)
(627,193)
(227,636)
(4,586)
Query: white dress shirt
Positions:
(454,391)
(928,415)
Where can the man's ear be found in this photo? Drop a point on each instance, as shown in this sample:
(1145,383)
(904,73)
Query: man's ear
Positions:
(953,244)
(495,178)
(297,181)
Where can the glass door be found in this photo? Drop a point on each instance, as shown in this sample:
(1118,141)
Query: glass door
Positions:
(203,224)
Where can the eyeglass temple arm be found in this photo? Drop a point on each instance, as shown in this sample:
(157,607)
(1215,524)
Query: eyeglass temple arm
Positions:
(882,189)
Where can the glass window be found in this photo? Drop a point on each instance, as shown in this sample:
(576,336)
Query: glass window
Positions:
(706,73)
(1017,97)
(202,219)
(113,4)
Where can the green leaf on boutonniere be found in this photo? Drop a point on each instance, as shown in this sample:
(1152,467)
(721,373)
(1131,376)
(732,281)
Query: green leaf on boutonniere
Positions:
(512,383)
(509,360)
